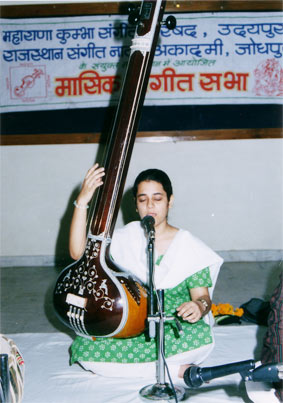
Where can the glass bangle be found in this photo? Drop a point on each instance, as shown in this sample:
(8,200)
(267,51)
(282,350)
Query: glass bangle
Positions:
(80,206)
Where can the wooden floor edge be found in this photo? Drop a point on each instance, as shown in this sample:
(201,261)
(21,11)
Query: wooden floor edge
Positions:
(54,9)
(145,137)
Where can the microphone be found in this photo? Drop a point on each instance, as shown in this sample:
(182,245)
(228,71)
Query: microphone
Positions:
(148,223)
(195,376)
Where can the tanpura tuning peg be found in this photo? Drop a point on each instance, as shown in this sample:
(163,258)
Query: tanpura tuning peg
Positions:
(170,22)
(130,7)
(134,14)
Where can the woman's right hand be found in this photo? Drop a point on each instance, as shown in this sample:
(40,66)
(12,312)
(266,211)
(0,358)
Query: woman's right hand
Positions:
(92,181)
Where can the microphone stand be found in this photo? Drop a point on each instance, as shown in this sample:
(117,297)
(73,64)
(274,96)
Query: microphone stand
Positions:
(161,390)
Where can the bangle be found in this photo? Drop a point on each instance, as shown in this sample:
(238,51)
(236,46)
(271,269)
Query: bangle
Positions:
(81,206)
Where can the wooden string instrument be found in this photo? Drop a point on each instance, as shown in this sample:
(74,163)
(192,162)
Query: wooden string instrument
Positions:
(93,296)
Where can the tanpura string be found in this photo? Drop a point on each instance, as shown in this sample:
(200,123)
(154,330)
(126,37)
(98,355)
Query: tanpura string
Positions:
(120,169)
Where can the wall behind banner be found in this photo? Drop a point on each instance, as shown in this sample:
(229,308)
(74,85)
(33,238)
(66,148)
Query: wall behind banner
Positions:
(228,193)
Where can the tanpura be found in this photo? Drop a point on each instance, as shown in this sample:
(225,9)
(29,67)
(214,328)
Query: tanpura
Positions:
(94,296)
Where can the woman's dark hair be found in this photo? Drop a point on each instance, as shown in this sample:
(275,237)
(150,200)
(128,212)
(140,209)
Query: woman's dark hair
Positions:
(154,175)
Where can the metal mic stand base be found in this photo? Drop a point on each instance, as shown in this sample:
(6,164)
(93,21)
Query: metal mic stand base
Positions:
(161,392)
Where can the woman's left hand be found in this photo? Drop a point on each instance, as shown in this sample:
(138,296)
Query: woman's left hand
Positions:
(190,311)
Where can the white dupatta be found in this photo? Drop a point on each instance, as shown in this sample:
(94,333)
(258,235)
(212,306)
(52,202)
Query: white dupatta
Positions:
(185,256)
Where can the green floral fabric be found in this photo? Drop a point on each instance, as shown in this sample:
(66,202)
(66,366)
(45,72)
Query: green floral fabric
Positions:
(140,349)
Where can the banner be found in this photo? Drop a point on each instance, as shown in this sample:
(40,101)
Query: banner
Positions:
(78,62)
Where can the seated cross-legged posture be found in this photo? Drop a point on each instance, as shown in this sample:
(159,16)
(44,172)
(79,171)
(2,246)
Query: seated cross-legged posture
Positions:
(185,268)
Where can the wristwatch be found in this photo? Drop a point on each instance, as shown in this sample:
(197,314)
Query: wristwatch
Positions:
(204,303)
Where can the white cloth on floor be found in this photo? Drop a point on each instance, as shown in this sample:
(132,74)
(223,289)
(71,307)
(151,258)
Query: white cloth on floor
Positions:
(50,379)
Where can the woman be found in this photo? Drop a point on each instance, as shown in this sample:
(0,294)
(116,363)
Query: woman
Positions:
(184,267)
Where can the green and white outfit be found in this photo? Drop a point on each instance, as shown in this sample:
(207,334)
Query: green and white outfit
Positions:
(188,263)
